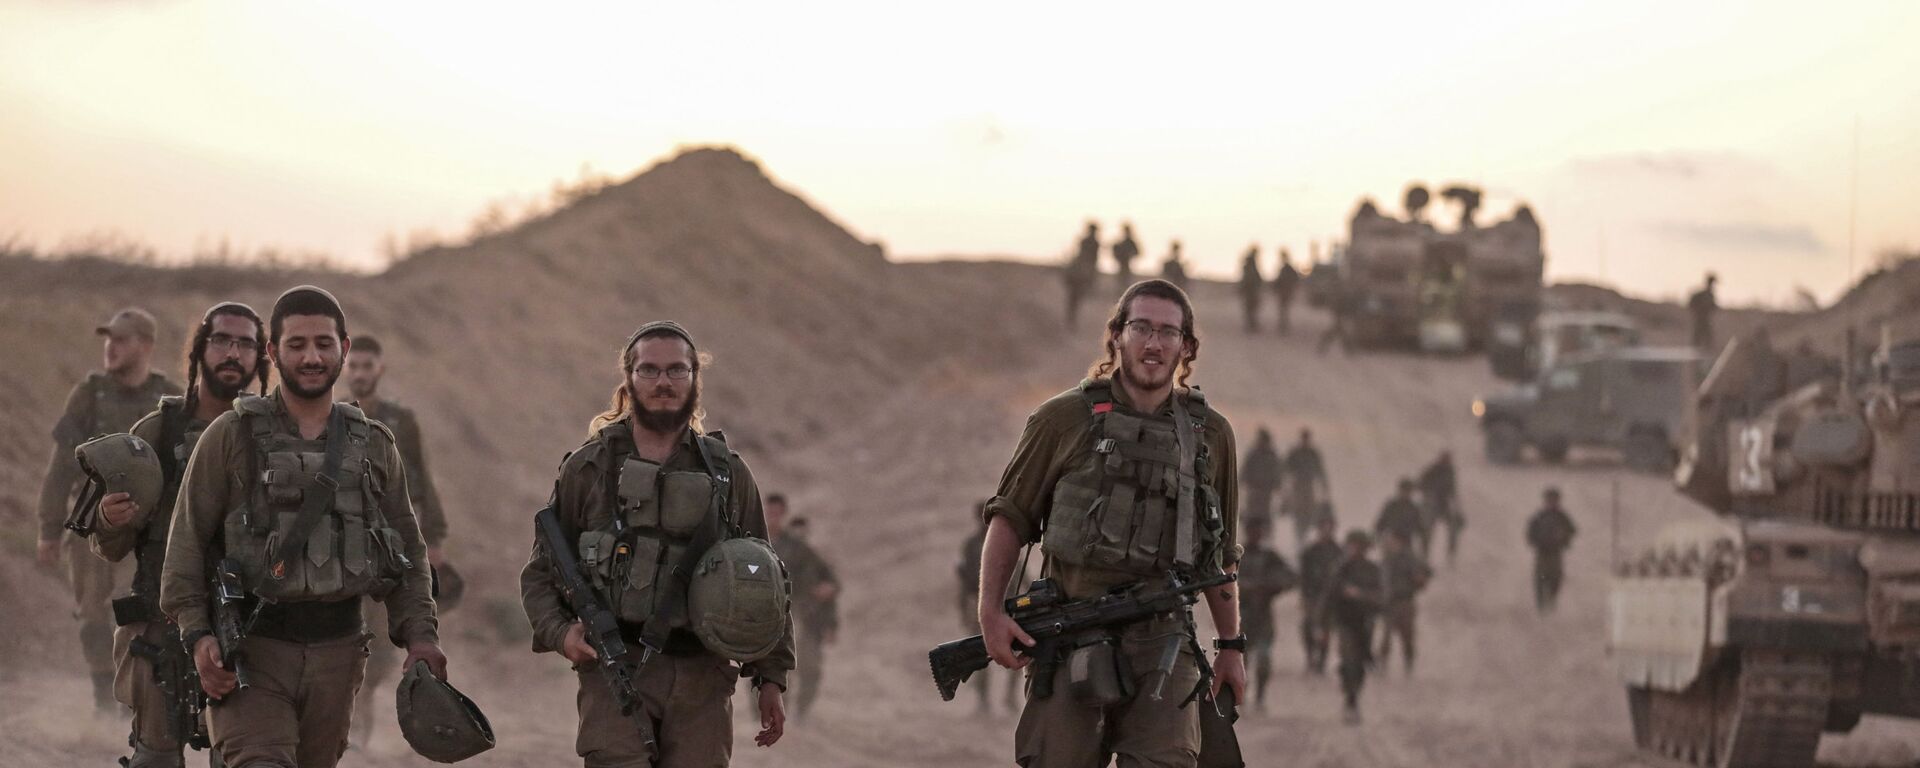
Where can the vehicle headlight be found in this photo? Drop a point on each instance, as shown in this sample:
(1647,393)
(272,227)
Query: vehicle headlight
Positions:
(1479,408)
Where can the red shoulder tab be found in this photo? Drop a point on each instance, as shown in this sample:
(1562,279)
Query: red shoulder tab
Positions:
(1102,407)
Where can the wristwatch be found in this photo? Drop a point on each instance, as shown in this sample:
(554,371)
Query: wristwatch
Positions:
(1230,643)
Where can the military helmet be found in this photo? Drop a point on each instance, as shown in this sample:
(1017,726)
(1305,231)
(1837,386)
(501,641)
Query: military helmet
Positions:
(738,599)
(123,463)
(440,723)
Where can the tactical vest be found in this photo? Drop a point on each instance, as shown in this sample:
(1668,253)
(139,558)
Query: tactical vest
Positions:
(350,551)
(1140,500)
(632,558)
(114,410)
(178,435)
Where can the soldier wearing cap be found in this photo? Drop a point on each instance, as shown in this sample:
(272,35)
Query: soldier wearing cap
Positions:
(646,481)
(225,357)
(108,401)
(366,367)
(306,499)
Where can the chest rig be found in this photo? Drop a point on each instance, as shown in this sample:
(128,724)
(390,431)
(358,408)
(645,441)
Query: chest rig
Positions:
(311,527)
(116,410)
(640,550)
(1139,501)
(179,432)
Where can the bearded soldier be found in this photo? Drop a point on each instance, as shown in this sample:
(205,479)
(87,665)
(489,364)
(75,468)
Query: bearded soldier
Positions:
(305,501)
(648,482)
(224,358)
(1123,479)
(107,402)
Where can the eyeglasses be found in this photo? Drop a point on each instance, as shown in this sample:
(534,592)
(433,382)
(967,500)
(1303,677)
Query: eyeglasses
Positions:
(676,372)
(236,343)
(1166,333)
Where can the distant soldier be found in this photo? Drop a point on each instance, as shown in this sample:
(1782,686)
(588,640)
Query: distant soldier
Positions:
(1703,306)
(1317,564)
(1081,271)
(816,603)
(1124,252)
(968,574)
(1440,499)
(1175,269)
(366,366)
(1251,286)
(1402,515)
(1343,302)
(1550,532)
(1351,603)
(1305,486)
(107,402)
(1286,283)
(1264,576)
(1259,477)
(1404,574)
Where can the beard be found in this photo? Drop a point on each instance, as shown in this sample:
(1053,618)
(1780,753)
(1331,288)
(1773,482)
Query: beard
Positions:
(221,390)
(1138,379)
(666,421)
(291,382)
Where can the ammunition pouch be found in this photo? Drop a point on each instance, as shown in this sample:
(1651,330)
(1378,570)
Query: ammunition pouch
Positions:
(1097,674)
(309,622)
(136,609)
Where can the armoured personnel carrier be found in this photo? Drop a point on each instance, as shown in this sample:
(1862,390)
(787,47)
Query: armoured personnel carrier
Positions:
(1743,638)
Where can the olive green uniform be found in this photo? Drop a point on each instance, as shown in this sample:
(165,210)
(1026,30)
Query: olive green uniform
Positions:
(98,406)
(307,652)
(686,691)
(1404,574)
(384,659)
(1264,577)
(814,619)
(144,536)
(1053,477)
(968,572)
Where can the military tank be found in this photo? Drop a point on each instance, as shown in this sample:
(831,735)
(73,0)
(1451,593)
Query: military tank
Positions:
(1742,639)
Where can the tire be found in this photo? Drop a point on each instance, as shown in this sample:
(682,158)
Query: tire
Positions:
(1504,442)
(1638,701)
(1647,450)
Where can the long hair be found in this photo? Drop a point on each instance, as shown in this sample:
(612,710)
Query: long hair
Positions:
(1117,324)
(197,349)
(620,405)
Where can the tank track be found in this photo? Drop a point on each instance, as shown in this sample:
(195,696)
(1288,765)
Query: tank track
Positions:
(1764,711)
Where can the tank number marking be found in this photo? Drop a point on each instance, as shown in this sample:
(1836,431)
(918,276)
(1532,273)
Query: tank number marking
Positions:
(1754,445)
(1792,601)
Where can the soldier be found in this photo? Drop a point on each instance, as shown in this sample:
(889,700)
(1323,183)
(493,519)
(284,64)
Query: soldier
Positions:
(1286,283)
(1550,532)
(1401,515)
(1405,574)
(308,543)
(1349,607)
(1317,564)
(224,357)
(968,572)
(1124,252)
(1174,269)
(108,402)
(1081,271)
(1343,303)
(366,366)
(1251,286)
(1264,576)
(1132,448)
(653,429)
(816,592)
(1260,477)
(1703,306)
(1306,485)
(1440,497)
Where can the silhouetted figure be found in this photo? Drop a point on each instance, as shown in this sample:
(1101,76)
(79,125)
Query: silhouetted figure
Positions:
(1702,306)
(1124,252)
(1352,602)
(1306,487)
(1317,564)
(1440,499)
(1400,515)
(1286,283)
(1404,574)
(1081,271)
(1550,532)
(1264,576)
(1174,270)
(1343,302)
(1251,286)
(1259,477)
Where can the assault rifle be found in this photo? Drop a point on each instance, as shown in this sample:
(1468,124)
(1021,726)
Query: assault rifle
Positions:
(1047,616)
(229,601)
(179,683)
(618,662)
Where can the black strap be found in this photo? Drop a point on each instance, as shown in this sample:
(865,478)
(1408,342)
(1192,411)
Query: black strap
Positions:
(319,497)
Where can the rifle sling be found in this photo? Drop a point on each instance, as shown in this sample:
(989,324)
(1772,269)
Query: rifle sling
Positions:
(319,497)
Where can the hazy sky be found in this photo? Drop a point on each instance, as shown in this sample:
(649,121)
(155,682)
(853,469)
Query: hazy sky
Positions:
(1654,140)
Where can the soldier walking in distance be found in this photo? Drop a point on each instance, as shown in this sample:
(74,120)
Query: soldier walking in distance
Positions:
(225,356)
(1404,574)
(1440,498)
(306,499)
(1174,269)
(1132,448)
(1550,532)
(1402,515)
(816,596)
(1125,250)
(366,367)
(1317,564)
(1252,285)
(1264,576)
(1702,306)
(107,402)
(968,573)
(1260,477)
(650,478)
(1305,486)
(1351,603)
(1081,271)
(1286,283)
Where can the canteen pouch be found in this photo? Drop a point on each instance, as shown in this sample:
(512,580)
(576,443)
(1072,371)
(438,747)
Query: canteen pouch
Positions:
(1094,677)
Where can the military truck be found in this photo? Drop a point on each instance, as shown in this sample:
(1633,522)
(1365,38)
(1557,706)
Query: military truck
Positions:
(1741,639)
(1411,285)
(1518,353)
(1633,400)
